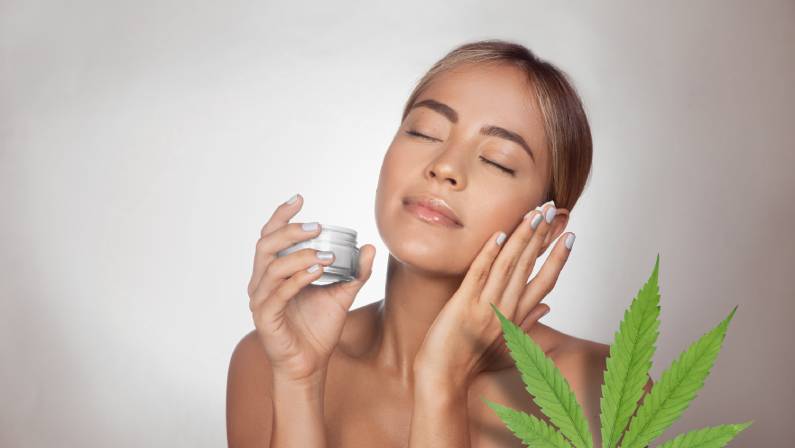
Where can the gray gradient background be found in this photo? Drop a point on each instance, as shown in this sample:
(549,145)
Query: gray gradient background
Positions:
(144,144)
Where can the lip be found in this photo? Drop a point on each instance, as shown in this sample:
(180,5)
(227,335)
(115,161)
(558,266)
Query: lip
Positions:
(432,209)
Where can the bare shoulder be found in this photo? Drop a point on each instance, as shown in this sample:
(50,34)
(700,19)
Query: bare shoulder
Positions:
(360,330)
(249,410)
(580,354)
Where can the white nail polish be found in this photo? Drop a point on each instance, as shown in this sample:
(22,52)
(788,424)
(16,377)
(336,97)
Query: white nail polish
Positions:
(551,213)
(313,268)
(325,255)
(501,238)
(309,226)
(292,199)
(536,221)
(570,240)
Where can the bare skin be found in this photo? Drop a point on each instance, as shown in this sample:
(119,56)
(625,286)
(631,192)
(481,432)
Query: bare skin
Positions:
(375,376)
(366,407)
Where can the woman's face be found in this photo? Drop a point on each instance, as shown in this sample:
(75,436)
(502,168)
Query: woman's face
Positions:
(457,164)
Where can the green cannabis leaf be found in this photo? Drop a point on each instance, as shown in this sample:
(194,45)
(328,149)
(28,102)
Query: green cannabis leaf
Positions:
(629,361)
(529,428)
(676,389)
(625,376)
(713,437)
(550,389)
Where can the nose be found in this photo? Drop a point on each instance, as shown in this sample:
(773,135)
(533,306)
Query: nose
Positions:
(446,168)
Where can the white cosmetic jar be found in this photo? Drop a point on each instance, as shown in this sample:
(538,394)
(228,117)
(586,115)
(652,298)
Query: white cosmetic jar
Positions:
(337,239)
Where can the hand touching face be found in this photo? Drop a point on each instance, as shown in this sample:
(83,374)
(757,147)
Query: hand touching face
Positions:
(474,139)
(466,339)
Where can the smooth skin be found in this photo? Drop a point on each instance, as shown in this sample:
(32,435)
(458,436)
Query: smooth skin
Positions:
(410,369)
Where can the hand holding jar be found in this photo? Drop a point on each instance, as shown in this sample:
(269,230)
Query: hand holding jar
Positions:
(299,322)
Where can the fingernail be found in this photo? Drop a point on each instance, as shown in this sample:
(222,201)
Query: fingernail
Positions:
(325,254)
(570,240)
(292,199)
(544,313)
(309,226)
(536,221)
(551,213)
(501,238)
(313,268)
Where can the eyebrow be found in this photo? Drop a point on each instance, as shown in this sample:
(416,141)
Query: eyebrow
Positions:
(489,130)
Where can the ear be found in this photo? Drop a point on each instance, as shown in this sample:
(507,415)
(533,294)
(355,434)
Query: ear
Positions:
(558,225)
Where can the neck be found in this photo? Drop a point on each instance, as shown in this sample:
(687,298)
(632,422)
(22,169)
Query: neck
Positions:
(412,301)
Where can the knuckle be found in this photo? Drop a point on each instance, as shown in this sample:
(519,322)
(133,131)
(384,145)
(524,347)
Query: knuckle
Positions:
(266,228)
(482,276)
(270,274)
(547,283)
(262,244)
(504,267)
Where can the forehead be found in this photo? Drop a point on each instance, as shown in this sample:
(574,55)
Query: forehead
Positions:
(499,95)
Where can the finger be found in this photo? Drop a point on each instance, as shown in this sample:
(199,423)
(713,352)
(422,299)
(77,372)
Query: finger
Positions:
(269,245)
(277,301)
(348,290)
(548,275)
(503,267)
(533,316)
(478,271)
(279,218)
(283,213)
(526,263)
(285,267)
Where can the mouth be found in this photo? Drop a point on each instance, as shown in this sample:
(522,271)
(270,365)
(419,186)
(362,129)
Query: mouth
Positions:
(432,210)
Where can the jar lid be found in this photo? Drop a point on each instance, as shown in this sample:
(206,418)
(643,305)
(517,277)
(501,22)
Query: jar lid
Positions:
(337,233)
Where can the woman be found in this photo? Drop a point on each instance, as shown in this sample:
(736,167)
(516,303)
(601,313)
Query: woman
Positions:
(489,133)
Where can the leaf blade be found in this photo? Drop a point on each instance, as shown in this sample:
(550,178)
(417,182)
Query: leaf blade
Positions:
(677,387)
(529,429)
(548,387)
(630,360)
(710,437)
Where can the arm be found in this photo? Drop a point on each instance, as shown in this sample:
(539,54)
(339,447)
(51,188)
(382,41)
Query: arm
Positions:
(439,418)
(263,411)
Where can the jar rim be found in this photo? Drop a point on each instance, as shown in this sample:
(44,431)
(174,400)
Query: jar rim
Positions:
(342,229)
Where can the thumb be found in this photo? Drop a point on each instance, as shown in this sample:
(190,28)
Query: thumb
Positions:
(365,269)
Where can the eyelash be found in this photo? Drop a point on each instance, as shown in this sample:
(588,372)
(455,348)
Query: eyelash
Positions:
(500,167)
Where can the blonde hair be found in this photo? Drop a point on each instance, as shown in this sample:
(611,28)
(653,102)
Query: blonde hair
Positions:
(568,134)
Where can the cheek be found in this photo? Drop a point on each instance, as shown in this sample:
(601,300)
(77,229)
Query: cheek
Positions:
(398,168)
(390,188)
(496,212)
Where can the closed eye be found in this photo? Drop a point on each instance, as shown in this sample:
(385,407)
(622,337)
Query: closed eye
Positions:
(485,160)
(507,170)
(417,134)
